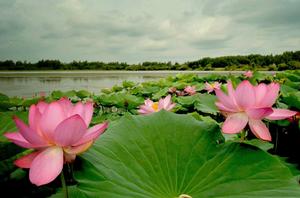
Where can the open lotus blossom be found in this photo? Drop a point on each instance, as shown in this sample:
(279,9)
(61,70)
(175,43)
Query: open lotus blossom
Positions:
(212,87)
(191,90)
(151,107)
(250,104)
(248,74)
(57,132)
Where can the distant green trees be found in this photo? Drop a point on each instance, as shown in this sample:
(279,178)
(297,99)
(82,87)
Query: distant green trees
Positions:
(286,61)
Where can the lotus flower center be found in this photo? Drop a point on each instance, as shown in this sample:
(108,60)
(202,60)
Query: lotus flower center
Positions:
(155,106)
(214,85)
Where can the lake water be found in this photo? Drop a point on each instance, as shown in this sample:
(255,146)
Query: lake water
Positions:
(28,83)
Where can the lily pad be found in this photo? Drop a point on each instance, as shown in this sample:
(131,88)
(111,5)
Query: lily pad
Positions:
(165,155)
(293,99)
(206,104)
(7,124)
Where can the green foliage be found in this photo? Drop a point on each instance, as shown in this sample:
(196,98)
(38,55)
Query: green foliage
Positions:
(83,94)
(120,100)
(292,99)
(118,161)
(166,155)
(7,124)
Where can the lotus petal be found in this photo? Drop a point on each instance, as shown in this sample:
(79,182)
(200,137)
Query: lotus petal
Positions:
(234,123)
(260,130)
(69,131)
(259,113)
(46,166)
(280,114)
(18,139)
(25,161)
(52,116)
(29,134)
(245,95)
(92,133)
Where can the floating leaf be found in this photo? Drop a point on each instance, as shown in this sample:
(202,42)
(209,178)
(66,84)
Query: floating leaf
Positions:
(263,145)
(7,124)
(292,99)
(160,94)
(3,97)
(206,104)
(166,155)
(83,94)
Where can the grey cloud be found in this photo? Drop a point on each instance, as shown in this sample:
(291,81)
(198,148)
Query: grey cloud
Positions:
(135,31)
(270,13)
(212,44)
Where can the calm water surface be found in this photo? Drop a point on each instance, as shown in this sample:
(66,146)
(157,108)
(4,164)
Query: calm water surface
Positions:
(28,83)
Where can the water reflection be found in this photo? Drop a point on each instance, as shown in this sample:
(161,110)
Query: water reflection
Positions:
(31,85)
(52,79)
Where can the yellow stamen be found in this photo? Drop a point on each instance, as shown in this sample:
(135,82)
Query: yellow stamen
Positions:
(155,106)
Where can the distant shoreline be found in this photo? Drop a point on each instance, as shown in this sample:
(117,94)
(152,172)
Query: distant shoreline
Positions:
(91,73)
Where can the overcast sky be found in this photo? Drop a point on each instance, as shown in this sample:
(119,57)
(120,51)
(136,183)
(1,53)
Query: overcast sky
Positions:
(146,30)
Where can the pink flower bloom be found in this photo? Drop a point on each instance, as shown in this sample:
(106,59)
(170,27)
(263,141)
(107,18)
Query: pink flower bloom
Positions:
(42,94)
(191,90)
(180,93)
(250,104)
(58,132)
(212,87)
(248,74)
(172,90)
(151,107)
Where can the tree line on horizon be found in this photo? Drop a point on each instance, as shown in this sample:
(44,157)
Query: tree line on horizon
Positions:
(286,61)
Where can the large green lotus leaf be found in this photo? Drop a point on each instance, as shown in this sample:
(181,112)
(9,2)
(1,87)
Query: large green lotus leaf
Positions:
(165,155)
(292,99)
(83,94)
(160,93)
(201,102)
(7,124)
(293,84)
(9,151)
(188,101)
(285,90)
(123,100)
(206,104)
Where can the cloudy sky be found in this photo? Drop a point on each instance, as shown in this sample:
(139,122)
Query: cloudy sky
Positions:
(146,30)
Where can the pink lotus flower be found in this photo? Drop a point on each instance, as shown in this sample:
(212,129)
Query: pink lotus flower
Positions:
(180,93)
(151,107)
(191,90)
(42,94)
(212,87)
(248,74)
(250,104)
(172,90)
(58,132)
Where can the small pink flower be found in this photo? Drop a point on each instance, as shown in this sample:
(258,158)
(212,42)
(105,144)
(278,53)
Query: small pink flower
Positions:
(248,74)
(151,107)
(42,94)
(57,132)
(249,104)
(180,93)
(212,87)
(172,90)
(191,90)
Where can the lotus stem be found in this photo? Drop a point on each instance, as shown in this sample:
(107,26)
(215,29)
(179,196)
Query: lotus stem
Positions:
(243,135)
(64,185)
